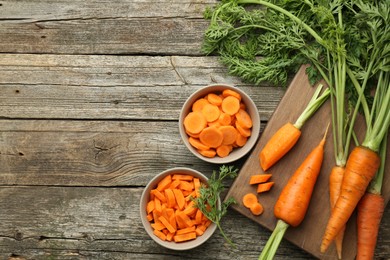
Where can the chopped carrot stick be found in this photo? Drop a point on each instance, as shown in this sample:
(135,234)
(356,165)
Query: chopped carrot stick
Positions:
(184,237)
(186,220)
(185,230)
(150,206)
(198,217)
(263,187)
(166,223)
(199,231)
(195,122)
(179,197)
(182,177)
(169,236)
(186,185)
(259,178)
(174,184)
(190,208)
(164,183)
(171,201)
(230,105)
(180,222)
(157,205)
(149,217)
(160,234)
(197,187)
(159,195)
(158,226)
(256,209)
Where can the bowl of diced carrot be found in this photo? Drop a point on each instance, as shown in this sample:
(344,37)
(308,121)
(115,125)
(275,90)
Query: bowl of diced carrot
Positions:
(219,123)
(169,213)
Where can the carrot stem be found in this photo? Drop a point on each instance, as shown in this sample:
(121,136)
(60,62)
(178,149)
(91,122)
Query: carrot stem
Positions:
(314,104)
(273,242)
(375,186)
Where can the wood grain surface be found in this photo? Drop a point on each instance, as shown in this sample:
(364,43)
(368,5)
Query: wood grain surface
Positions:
(309,234)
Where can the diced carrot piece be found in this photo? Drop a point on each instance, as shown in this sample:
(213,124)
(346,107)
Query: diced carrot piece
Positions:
(259,178)
(159,195)
(166,223)
(186,219)
(190,208)
(182,177)
(150,206)
(184,237)
(174,184)
(199,231)
(185,230)
(171,201)
(164,183)
(157,205)
(185,185)
(180,222)
(160,234)
(172,221)
(149,217)
(180,200)
(263,187)
(170,236)
(198,217)
(190,195)
(158,226)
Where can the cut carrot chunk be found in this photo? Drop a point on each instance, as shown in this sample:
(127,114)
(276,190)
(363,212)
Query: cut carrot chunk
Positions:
(164,183)
(199,104)
(186,185)
(263,187)
(166,223)
(160,234)
(179,198)
(185,230)
(230,105)
(211,136)
(259,178)
(185,219)
(150,206)
(158,226)
(159,195)
(195,122)
(210,112)
(184,237)
(182,177)
(171,201)
(197,186)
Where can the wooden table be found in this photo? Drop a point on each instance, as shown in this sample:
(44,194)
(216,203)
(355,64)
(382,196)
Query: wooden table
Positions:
(90,94)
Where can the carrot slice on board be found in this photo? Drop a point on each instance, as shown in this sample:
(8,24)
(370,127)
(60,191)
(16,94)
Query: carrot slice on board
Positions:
(263,187)
(259,178)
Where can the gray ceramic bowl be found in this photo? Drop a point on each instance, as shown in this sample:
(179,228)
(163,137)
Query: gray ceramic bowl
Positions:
(251,108)
(145,198)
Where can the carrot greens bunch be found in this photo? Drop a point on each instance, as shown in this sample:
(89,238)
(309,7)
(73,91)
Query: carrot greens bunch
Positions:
(209,200)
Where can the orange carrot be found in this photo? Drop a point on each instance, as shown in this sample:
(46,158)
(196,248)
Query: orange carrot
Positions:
(224,119)
(259,178)
(256,209)
(229,134)
(244,119)
(214,99)
(241,140)
(182,177)
(242,130)
(160,234)
(184,237)
(263,187)
(335,181)
(230,105)
(208,153)
(199,104)
(223,150)
(361,167)
(211,112)
(370,212)
(278,145)
(164,183)
(286,137)
(249,199)
(179,197)
(195,122)
(211,136)
(229,92)
(293,202)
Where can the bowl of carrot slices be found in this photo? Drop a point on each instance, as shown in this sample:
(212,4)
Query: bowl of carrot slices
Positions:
(219,123)
(169,213)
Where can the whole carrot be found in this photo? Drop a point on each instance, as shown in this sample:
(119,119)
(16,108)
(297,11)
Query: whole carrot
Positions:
(370,211)
(361,167)
(293,201)
(335,181)
(286,137)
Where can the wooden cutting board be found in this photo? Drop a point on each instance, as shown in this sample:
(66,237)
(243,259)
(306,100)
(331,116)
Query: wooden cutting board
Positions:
(309,234)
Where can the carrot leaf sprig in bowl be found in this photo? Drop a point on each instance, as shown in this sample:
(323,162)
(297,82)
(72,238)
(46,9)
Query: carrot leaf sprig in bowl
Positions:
(209,200)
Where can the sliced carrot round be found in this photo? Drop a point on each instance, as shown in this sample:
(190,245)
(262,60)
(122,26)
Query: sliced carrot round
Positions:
(223,150)
(195,122)
(230,105)
(211,136)
(208,153)
(249,199)
(244,119)
(210,112)
(225,119)
(214,99)
(197,144)
(241,140)
(230,92)
(243,131)
(199,104)
(256,209)
(229,134)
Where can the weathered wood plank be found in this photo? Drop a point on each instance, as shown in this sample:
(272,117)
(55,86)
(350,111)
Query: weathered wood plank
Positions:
(91,153)
(112,87)
(83,222)
(102,27)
